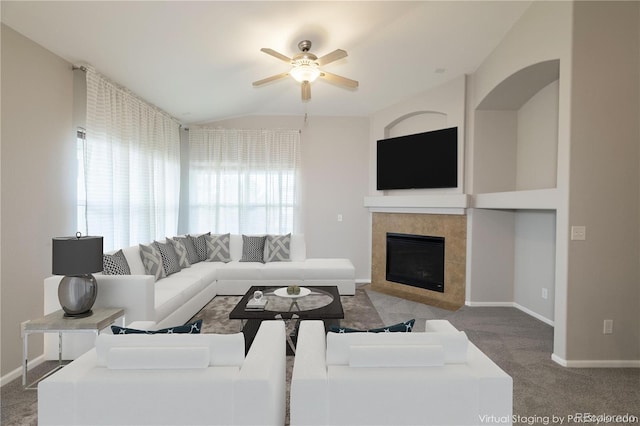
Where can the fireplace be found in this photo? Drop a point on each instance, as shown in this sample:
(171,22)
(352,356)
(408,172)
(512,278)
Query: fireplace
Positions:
(452,228)
(416,260)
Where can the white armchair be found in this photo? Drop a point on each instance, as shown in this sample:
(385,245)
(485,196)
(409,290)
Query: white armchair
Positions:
(171,379)
(435,377)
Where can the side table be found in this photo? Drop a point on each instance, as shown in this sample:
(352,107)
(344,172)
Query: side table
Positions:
(56,322)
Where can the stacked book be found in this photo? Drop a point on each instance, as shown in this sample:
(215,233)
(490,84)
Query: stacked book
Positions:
(256,304)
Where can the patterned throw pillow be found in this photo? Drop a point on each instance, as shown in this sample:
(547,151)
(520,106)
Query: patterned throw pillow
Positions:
(402,327)
(278,248)
(181,253)
(218,248)
(192,253)
(152,261)
(115,264)
(201,245)
(193,328)
(169,258)
(253,249)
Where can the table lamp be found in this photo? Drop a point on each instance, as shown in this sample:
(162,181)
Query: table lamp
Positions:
(77,258)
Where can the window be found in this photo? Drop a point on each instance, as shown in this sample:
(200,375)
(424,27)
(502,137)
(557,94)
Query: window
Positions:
(243,181)
(131,156)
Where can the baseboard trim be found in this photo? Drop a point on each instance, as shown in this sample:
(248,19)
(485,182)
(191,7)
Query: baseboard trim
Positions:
(363,281)
(513,305)
(597,363)
(14,374)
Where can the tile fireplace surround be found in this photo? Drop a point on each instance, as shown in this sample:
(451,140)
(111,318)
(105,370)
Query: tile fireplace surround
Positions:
(454,230)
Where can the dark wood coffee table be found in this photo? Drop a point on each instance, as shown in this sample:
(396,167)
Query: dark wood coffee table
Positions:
(323,303)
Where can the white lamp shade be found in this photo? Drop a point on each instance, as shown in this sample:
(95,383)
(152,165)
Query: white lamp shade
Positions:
(305,72)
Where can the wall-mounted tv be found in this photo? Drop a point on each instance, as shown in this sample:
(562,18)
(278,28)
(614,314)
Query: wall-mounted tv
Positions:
(422,160)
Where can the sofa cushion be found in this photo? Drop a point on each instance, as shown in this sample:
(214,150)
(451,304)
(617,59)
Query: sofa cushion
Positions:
(158,358)
(152,261)
(253,248)
(277,248)
(168,256)
(218,248)
(396,356)
(224,349)
(402,327)
(453,344)
(192,328)
(181,252)
(115,264)
(132,254)
(192,253)
(328,269)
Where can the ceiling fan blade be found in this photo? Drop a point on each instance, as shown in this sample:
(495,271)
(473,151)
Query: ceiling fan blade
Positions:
(275,54)
(270,79)
(331,57)
(343,81)
(306,90)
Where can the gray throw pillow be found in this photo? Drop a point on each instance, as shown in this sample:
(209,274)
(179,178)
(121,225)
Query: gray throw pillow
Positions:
(169,257)
(201,245)
(253,249)
(115,264)
(218,248)
(192,253)
(277,248)
(152,261)
(181,253)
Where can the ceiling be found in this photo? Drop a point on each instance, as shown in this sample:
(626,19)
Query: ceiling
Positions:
(197,59)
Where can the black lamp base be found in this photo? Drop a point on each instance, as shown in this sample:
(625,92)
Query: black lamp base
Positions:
(77,294)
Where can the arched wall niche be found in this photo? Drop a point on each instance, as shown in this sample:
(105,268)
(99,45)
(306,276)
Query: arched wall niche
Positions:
(515,90)
(416,122)
(516,132)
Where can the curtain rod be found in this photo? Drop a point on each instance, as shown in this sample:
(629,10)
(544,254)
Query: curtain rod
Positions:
(220,128)
(79,67)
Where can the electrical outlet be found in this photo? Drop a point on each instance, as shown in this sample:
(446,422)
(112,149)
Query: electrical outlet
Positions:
(578,233)
(340,218)
(608,327)
(545,293)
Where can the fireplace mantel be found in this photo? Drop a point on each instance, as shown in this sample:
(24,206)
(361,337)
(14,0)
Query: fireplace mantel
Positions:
(440,203)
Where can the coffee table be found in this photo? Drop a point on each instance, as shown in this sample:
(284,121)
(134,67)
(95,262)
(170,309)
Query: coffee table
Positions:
(321,303)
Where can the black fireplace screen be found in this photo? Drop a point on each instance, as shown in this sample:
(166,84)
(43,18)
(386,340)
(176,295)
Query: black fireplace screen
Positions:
(416,260)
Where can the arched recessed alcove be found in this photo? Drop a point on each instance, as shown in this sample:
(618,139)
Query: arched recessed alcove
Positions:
(415,122)
(516,132)
(514,182)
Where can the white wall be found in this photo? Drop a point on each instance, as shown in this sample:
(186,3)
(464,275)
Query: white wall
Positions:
(38,181)
(534,262)
(604,274)
(537,156)
(335,165)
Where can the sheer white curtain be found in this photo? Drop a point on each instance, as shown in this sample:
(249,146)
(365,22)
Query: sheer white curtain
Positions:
(131,165)
(243,181)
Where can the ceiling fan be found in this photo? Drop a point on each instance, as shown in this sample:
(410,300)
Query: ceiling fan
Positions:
(305,68)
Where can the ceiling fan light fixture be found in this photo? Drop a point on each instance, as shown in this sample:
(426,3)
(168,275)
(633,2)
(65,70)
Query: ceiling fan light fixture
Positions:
(305,72)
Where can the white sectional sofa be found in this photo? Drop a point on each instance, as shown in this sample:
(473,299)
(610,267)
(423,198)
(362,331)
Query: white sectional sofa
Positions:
(175,299)
(171,379)
(436,377)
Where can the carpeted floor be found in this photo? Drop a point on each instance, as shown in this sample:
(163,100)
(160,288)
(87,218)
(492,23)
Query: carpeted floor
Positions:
(543,393)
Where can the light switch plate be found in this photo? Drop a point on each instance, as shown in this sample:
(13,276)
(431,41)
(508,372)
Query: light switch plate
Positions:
(578,233)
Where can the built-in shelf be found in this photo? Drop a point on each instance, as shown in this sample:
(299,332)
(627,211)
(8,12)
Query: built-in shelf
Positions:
(535,199)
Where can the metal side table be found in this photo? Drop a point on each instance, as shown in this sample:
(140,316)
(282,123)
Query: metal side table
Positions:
(56,322)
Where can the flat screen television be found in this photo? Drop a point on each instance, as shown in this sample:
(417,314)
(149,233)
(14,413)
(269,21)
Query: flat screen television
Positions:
(422,160)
